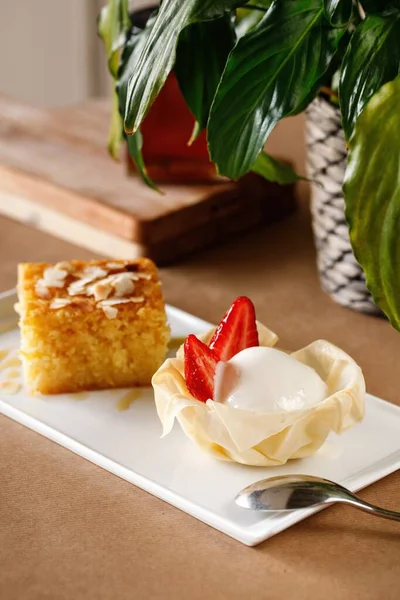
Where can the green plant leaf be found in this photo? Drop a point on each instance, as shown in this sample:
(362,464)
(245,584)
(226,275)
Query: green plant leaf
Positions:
(116,132)
(134,44)
(132,49)
(338,12)
(273,170)
(372,59)
(201,56)
(372,194)
(135,144)
(269,74)
(158,55)
(112,25)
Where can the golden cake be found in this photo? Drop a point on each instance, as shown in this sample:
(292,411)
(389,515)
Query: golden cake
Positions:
(90,325)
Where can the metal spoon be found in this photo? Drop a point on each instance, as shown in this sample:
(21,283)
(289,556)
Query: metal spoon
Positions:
(292,492)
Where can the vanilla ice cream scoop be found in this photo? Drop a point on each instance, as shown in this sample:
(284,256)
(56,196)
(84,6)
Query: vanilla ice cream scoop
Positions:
(262,379)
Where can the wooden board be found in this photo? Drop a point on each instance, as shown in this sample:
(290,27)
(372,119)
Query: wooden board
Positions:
(56,175)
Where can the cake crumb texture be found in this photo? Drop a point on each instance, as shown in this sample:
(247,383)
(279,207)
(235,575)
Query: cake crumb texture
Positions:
(68,341)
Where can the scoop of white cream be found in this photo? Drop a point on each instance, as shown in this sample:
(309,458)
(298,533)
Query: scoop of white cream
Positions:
(265,380)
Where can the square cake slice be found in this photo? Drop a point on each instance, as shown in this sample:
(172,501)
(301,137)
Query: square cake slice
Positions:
(90,325)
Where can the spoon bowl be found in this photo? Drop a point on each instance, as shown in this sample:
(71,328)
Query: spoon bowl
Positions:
(292,492)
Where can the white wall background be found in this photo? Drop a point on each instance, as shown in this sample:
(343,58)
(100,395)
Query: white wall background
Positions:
(49,51)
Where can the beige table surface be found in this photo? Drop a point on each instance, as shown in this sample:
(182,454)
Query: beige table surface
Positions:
(69,530)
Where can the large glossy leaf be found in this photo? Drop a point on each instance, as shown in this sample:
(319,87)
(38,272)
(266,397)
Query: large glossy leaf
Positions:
(113,23)
(158,55)
(372,59)
(372,193)
(133,47)
(338,12)
(269,74)
(201,56)
(273,170)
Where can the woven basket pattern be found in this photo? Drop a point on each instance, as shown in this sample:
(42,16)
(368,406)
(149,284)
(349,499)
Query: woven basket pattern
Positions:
(341,275)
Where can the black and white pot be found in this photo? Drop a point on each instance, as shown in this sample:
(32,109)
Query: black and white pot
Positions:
(340,274)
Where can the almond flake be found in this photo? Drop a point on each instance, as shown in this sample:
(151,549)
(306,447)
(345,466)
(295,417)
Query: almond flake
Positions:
(110,311)
(100,290)
(135,276)
(59,302)
(78,287)
(65,266)
(115,265)
(87,276)
(114,301)
(54,277)
(132,276)
(123,284)
(93,272)
(41,289)
(123,275)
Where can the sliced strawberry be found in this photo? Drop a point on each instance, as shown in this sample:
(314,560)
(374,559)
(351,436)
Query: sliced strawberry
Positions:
(200,363)
(237,330)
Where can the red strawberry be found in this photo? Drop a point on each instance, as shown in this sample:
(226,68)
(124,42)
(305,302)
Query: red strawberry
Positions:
(200,363)
(236,331)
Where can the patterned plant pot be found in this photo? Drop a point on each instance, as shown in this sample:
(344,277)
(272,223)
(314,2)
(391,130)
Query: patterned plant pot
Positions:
(340,274)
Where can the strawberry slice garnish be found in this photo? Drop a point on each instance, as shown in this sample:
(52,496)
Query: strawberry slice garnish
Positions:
(200,364)
(237,330)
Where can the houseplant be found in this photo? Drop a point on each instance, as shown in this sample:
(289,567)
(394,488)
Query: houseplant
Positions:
(282,54)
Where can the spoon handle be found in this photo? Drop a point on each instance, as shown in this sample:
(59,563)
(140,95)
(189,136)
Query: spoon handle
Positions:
(371,508)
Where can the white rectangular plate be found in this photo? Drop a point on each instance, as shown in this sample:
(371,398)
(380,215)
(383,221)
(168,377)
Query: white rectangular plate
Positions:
(128,444)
